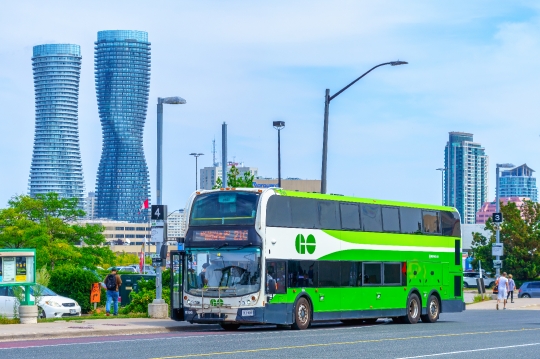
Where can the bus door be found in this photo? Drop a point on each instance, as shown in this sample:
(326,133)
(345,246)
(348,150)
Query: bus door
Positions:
(177,275)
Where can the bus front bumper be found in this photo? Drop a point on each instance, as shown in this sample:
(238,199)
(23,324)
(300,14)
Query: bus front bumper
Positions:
(234,315)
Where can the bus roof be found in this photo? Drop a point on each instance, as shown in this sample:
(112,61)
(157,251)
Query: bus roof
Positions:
(334,197)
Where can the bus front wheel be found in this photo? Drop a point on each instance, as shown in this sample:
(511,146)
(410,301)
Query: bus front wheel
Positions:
(414,309)
(302,314)
(433,310)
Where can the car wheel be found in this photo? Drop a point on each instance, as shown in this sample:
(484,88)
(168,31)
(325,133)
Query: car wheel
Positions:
(414,309)
(465,285)
(229,326)
(433,310)
(302,314)
(526,295)
(41,313)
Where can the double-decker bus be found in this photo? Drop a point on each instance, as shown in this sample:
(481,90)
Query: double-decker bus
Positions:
(273,256)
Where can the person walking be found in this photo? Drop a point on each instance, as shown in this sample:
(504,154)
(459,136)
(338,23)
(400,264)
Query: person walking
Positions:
(503,290)
(112,283)
(511,287)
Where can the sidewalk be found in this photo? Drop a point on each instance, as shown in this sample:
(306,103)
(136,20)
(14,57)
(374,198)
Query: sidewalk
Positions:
(519,304)
(94,327)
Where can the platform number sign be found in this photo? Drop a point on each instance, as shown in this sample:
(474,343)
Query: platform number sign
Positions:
(497,217)
(158,212)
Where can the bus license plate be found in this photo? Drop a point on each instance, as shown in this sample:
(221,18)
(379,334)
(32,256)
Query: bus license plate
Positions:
(72,311)
(247,313)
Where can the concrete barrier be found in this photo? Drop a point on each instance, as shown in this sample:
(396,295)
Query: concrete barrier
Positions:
(28,314)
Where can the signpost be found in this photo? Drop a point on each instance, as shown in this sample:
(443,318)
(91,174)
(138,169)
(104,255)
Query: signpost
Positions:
(497,264)
(497,217)
(95,294)
(497,249)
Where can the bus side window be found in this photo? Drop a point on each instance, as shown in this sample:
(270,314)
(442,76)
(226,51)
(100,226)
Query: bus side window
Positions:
(351,274)
(275,277)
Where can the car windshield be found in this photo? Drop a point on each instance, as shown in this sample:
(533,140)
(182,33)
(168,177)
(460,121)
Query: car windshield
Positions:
(224,272)
(42,291)
(231,207)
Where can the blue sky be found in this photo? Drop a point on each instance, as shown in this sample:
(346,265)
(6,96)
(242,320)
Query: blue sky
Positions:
(472,67)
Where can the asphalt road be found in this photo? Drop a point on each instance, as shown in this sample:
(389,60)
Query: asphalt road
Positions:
(471,334)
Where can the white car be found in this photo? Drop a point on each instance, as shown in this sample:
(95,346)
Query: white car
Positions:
(50,305)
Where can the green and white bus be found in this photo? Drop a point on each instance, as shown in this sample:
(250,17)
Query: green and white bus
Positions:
(272,256)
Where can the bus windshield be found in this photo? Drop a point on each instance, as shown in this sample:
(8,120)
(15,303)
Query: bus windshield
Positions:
(224,272)
(229,208)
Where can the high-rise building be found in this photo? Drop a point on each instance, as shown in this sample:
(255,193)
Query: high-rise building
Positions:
(488,208)
(176,225)
(56,160)
(518,182)
(122,73)
(209,175)
(90,206)
(466,175)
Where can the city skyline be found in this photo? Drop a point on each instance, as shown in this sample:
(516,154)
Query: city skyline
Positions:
(391,119)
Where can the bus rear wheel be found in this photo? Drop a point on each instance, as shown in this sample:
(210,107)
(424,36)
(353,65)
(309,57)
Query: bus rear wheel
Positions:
(302,314)
(414,309)
(433,310)
(229,326)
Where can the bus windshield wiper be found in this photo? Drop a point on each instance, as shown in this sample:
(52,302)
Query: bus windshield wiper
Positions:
(244,246)
(221,246)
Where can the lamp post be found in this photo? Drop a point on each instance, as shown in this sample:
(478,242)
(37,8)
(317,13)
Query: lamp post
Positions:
(196,155)
(327,99)
(442,182)
(159,178)
(497,206)
(279,125)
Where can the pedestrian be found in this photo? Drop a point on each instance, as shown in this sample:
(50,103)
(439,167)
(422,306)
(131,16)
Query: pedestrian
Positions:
(503,290)
(511,287)
(112,283)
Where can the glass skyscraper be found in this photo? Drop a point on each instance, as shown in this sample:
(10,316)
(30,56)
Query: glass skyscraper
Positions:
(466,175)
(56,160)
(122,74)
(519,182)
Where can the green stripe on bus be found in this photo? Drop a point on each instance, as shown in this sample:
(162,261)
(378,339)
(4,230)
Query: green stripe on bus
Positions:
(362,255)
(392,239)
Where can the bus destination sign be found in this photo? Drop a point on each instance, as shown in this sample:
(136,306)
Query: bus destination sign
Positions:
(226,235)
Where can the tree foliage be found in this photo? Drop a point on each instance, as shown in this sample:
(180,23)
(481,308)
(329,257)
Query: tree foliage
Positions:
(76,283)
(48,223)
(520,234)
(234,180)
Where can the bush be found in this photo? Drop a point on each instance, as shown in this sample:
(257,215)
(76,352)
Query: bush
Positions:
(75,283)
(146,293)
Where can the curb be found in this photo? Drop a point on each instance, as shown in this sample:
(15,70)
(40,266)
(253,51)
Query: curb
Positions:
(102,332)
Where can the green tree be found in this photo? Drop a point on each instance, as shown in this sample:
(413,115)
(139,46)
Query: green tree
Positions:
(234,180)
(48,223)
(520,234)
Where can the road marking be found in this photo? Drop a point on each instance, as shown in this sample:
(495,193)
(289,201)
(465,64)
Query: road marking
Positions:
(343,343)
(470,351)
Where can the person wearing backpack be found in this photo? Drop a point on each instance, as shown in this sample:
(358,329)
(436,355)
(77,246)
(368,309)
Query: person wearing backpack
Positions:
(112,283)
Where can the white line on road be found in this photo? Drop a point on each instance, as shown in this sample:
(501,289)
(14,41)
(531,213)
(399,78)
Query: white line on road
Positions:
(471,351)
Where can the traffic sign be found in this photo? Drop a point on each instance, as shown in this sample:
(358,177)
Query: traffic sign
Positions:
(497,264)
(158,212)
(497,217)
(497,249)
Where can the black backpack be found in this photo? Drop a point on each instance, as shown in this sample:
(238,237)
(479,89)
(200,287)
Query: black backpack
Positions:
(110,282)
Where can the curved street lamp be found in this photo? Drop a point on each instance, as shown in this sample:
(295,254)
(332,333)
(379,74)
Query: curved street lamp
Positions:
(327,99)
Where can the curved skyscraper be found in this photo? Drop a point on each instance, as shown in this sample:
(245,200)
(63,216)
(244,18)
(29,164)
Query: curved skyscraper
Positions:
(56,160)
(122,73)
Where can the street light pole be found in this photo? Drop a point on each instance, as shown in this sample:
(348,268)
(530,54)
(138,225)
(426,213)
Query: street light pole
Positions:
(498,208)
(279,125)
(159,178)
(196,155)
(327,99)
(442,182)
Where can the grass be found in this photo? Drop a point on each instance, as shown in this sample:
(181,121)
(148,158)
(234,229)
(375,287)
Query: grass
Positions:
(478,298)
(4,320)
(93,316)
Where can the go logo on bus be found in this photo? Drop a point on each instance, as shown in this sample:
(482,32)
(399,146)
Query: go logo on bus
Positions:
(304,245)
(216,303)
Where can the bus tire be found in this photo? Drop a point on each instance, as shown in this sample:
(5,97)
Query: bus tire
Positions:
(433,310)
(302,314)
(414,309)
(371,320)
(229,326)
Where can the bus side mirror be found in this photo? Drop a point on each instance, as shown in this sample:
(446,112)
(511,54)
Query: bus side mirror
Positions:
(164,251)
